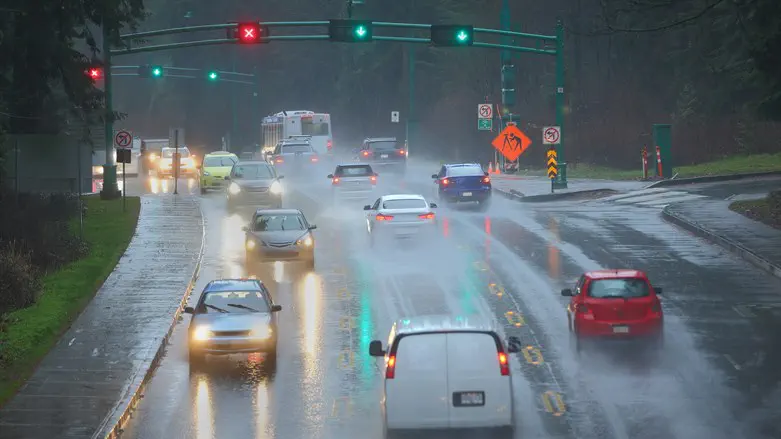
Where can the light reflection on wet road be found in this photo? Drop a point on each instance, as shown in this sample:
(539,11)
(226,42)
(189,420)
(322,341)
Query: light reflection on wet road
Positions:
(716,378)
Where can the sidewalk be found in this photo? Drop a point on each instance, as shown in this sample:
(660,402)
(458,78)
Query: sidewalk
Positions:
(753,241)
(85,384)
(539,188)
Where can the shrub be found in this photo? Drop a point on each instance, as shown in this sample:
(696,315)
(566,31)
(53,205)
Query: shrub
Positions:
(20,280)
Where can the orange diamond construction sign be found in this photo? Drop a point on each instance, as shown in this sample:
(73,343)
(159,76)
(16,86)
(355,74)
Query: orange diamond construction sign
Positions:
(511,142)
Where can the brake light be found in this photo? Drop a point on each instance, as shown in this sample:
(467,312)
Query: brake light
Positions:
(381,217)
(365,153)
(402,152)
(329,145)
(427,216)
(504,366)
(445,182)
(390,368)
(373,179)
(487,180)
(335,180)
(315,159)
(279,160)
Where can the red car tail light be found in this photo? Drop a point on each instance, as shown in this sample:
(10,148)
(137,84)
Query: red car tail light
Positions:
(279,160)
(365,153)
(427,216)
(402,152)
(381,217)
(373,179)
(445,182)
(486,180)
(390,368)
(335,180)
(314,159)
(329,145)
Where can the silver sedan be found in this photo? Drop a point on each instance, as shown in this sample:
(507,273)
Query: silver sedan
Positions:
(399,216)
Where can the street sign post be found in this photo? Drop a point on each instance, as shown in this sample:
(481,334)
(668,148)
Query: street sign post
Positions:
(553,166)
(511,142)
(395,116)
(551,135)
(485,124)
(123,139)
(124,156)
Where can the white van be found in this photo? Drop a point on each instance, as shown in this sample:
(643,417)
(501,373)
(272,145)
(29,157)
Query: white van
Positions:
(445,372)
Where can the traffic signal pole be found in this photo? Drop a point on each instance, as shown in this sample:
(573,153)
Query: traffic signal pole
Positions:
(561,178)
(110,189)
(508,74)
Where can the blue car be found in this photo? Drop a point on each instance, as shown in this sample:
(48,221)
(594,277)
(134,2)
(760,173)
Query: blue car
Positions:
(466,182)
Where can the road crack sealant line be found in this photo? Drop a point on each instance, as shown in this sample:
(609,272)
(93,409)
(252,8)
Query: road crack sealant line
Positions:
(732,246)
(113,423)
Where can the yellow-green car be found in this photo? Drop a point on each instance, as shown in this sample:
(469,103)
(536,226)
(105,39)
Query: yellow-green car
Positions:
(214,168)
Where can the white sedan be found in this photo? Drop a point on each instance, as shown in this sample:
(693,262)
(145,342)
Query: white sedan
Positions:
(399,216)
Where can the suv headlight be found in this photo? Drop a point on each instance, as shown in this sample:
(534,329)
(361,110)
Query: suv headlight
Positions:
(306,242)
(201,333)
(234,189)
(276,188)
(262,331)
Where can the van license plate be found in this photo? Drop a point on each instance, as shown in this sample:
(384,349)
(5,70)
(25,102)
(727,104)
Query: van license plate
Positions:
(467,194)
(468,399)
(620,329)
(383,156)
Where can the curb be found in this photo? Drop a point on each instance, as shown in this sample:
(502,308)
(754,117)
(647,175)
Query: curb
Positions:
(729,245)
(517,196)
(113,424)
(711,178)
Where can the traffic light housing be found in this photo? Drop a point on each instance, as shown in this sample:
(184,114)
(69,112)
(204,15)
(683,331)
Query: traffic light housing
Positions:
(94,73)
(350,31)
(156,71)
(452,35)
(249,33)
(213,75)
(147,71)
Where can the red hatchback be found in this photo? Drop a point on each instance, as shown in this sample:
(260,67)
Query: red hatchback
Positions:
(615,304)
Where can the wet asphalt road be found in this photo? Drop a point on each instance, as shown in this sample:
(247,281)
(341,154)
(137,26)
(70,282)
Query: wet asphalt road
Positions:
(717,376)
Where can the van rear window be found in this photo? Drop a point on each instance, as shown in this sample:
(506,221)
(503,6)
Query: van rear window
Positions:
(421,353)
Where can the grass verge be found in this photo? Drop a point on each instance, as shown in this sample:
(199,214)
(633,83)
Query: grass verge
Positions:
(766,210)
(30,333)
(726,166)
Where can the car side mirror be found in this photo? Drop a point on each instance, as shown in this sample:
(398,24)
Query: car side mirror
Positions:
(566,292)
(658,290)
(432,205)
(280,177)
(313,227)
(513,344)
(435,176)
(276,308)
(227,177)
(367,207)
(189,310)
(245,229)
(375,349)
(330,176)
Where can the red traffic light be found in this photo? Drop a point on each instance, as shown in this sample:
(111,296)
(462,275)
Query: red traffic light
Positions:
(249,33)
(95,73)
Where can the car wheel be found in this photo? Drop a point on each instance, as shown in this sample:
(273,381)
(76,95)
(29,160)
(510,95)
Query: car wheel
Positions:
(271,359)
(196,358)
(658,341)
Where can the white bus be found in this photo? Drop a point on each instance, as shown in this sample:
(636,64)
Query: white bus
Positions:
(286,124)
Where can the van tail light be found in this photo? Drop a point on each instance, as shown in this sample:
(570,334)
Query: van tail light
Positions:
(365,153)
(279,160)
(504,364)
(373,179)
(314,159)
(486,180)
(581,308)
(445,182)
(329,145)
(381,217)
(427,216)
(402,152)
(335,180)
(390,368)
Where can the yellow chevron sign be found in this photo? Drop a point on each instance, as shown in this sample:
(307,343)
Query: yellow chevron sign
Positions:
(553,165)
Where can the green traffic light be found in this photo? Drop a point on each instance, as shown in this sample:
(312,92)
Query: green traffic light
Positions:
(157,71)
(360,31)
(462,36)
(213,76)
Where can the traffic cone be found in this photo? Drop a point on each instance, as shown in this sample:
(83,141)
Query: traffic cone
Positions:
(490,167)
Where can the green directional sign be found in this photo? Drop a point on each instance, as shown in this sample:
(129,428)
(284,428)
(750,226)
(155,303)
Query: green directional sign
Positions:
(485,124)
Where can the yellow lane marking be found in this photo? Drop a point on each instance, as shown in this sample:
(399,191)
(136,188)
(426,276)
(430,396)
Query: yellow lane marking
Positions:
(515,319)
(533,355)
(553,403)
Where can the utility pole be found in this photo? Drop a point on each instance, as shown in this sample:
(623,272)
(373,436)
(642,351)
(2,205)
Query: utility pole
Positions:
(110,189)
(561,177)
(508,71)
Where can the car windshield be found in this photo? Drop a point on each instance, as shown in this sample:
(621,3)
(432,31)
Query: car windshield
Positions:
(216,162)
(407,203)
(253,171)
(274,223)
(235,302)
(384,146)
(290,149)
(621,288)
(354,171)
(169,152)
(465,171)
